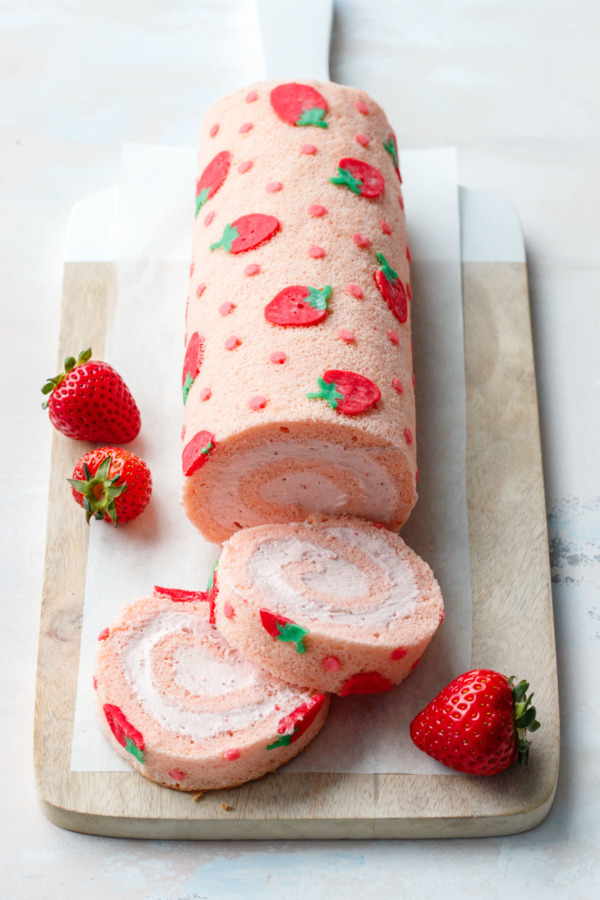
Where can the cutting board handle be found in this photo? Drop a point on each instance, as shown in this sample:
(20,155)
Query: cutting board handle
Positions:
(295,37)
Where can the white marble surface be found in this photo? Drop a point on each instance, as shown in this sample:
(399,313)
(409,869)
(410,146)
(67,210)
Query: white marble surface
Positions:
(514,86)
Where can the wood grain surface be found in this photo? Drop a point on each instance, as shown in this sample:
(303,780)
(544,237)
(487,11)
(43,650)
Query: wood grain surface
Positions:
(512,621)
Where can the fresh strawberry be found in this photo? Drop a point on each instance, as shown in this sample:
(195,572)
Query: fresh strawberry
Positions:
(111,484)
(212,178)
(177,595)
(283,629)
(191,365)
(299,104)
(391,289)
(89,401)
(298,305)
(247,233)
(365,683)
(391,146)
(346,392)
(295,724)
(125,733)
(477,724)
(360,177)
(196,452)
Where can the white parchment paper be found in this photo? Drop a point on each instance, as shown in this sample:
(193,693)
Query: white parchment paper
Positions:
(145,343)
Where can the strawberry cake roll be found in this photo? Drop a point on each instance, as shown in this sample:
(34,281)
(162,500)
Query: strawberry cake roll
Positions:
(297,379)
(337,604)
(187,710)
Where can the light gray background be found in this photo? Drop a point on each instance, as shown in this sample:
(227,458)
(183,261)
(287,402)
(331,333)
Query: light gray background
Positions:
(514,86)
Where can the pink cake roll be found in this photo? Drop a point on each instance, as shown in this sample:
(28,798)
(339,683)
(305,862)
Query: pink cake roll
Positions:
(297,380)
(188,711)
(339,605)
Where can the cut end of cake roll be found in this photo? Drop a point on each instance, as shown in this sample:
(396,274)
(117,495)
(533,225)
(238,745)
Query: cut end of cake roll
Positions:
(185,709)
(337,604)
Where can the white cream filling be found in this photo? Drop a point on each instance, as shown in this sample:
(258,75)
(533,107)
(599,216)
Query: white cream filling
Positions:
(309,490)
(200,672)
(335,576)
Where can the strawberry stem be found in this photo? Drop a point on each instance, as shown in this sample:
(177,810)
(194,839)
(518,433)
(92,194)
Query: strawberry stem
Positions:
(201,199)
(524,717)
(386,268)
(390,146)
(229,235)
(312,116)
(346,178)
(292,633)
(70,364)
(327,391)
(99,492)
(318,299)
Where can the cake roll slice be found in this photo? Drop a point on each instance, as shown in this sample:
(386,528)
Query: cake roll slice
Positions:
(185,709)
(298,378)
(335,604)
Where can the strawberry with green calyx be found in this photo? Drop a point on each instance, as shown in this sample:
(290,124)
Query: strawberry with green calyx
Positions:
(360,177)
(191,365)
(365,683)
(124,732)
(391,146)
(111,484)
(291,727)
(283,629)
(212,178)
(477,724)
(247,233)
(177,595)
(299,104)
(391,289)
(197,451)
(347,392)
(89,401)
(298,305)
(212,589)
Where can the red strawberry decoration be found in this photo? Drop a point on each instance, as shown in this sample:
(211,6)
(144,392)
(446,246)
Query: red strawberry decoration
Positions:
(192,362)
(291,727)
(111,484)
(299,104)
(212,589)
(365,683)
(298,305)
(283,629)
(89,401)
(212,178)
(197,451)
(247,233)
(391,289)
(346,392)
(477,724)
(125,733)
(177,595)
(360,177)
(392,148)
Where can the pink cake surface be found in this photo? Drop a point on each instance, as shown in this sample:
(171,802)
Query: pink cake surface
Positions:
(185,709)
(337,604)
(298,380)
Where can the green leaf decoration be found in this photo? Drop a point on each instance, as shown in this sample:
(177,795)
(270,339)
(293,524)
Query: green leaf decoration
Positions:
(209,586)
(201,199)
(344,177)
(386,268)
(284,740)
(207,449)
(293,634)
(134,750)
(327,391)
(186,387)
(318,299)
(229,235)
(390,146)
(312,116)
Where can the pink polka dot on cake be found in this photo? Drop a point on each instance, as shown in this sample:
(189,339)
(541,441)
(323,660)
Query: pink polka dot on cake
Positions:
(385,227)
(316,252)
(355,291)
(331,663)
(209,217)
(413,380)
(408,291)
(408,256)
(232,342)
(232,753)
(214,129)
(205,393)
(273,187)
(361,241)
(393,336)
(200,289)
(252,269)
(361,139)
(228,610)
(397,385)
(251,96)
(308,149)
(315,209)
(246,127)
(176,774)
(362,107)
(398,653)
(258,402)
(245,166)
(278,357)
(346,335)
(401,201)
(408,436)
(226,308)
